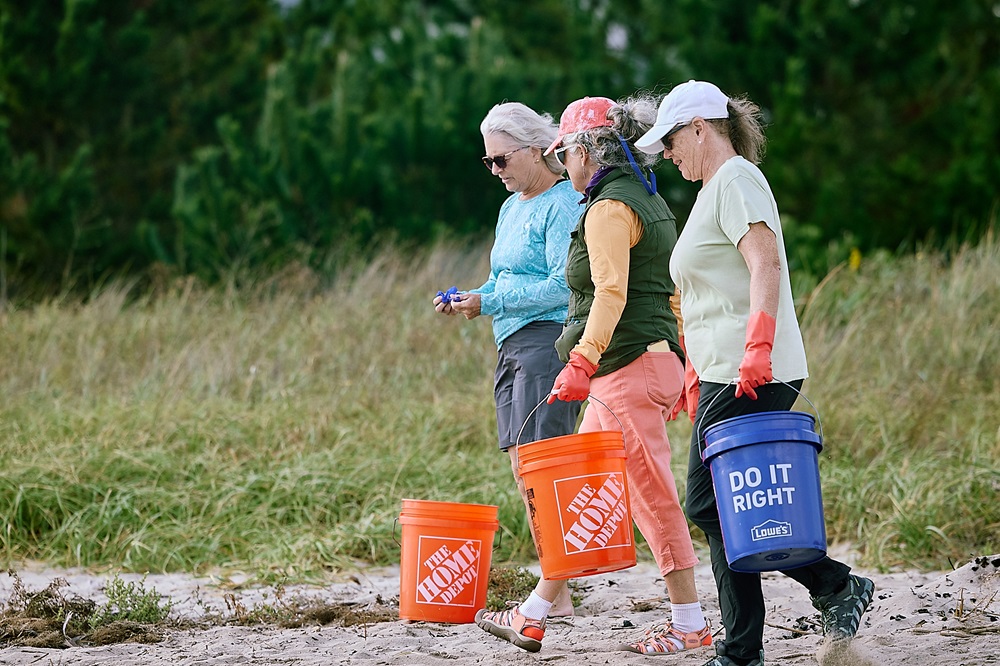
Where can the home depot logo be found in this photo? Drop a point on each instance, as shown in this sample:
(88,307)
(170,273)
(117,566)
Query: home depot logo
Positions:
(595,509)
(448,571)
(770,529)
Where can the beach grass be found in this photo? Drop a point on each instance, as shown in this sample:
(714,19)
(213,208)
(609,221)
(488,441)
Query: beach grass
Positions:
(275,427)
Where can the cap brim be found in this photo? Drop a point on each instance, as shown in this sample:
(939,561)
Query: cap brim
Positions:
(554,145)
(652,141)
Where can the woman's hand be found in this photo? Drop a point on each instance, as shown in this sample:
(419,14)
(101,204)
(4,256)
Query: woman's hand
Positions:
(442,304)
(573,382)
(468,305)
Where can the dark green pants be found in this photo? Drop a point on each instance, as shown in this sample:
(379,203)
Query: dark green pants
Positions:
(740,596)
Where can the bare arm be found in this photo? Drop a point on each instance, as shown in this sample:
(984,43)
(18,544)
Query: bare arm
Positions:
(759,248)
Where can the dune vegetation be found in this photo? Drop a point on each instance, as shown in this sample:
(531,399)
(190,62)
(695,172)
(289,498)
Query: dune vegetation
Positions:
(275,427)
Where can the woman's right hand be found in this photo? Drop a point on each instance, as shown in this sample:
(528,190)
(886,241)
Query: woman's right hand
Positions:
(443,306)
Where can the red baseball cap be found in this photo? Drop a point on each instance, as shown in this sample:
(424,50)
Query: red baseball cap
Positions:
(581,115)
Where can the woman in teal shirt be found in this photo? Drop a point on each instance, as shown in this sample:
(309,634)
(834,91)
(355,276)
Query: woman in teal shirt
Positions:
(526,292)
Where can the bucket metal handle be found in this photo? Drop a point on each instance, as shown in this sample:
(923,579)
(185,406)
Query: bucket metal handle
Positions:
(819,421)
(517,442)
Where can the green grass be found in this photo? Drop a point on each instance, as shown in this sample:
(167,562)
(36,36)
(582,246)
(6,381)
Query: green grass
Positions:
(275,428)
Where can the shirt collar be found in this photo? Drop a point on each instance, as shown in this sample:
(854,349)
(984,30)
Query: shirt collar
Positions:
(594,180)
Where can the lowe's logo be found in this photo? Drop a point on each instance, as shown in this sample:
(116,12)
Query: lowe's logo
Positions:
(770,529)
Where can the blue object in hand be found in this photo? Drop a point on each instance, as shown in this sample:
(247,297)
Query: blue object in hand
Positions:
(449,296)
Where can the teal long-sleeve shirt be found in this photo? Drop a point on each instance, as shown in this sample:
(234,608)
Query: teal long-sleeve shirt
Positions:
(527,280)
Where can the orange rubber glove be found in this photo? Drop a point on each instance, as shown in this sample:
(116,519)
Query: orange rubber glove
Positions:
(573,381)
(688,400)
(755,370)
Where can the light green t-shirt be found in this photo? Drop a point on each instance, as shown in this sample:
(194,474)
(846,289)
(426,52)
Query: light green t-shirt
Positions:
(715,282)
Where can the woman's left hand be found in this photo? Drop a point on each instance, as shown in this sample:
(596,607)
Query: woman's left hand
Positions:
(469,305)
(755,370)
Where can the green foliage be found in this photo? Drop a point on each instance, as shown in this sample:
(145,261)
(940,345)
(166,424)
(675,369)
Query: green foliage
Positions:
(130,602)
(861,98)
(508,584)
(99,103)
(215,137)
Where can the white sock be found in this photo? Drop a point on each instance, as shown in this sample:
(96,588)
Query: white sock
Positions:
(535,608)
(687,617)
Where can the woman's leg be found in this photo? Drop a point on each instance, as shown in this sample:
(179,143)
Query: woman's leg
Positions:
(637,400)
(528,366)
(740,597)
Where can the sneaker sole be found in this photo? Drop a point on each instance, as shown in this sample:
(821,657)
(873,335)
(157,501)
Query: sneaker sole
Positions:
(509,635)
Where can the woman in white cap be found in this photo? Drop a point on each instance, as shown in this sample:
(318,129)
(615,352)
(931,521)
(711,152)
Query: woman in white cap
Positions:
(621,346)
(730,268)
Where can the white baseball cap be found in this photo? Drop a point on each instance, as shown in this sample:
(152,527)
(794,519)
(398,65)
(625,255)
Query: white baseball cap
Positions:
(687,101)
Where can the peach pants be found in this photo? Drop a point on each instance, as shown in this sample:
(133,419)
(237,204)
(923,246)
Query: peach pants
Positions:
(641,395)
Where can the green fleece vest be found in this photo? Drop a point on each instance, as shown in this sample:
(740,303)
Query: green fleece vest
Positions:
(647,316)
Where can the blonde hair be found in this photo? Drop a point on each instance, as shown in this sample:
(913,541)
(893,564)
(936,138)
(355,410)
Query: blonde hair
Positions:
(744,128)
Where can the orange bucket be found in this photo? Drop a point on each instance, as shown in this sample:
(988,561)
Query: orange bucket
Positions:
(578,499)
(445,560)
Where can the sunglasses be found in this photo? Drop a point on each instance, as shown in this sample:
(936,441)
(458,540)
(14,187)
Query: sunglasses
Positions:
(561,152)
(500,160)
(668,142)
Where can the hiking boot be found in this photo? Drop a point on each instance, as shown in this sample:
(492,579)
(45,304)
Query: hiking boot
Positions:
(658,640)
(513,627)
(841,611)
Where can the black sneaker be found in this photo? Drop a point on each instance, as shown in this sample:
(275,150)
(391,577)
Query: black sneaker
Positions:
(841,611)
(726,661)
(722,660)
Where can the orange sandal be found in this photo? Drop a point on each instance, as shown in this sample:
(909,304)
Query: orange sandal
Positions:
(658,640)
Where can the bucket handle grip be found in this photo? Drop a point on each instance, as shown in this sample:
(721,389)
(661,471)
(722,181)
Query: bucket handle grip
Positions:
(517,442)
(819,421)
(395,522)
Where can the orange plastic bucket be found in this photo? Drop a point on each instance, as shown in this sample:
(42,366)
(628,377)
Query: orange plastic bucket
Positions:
(445,560)
(578,500)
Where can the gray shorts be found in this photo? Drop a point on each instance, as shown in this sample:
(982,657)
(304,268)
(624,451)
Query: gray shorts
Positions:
(526,368)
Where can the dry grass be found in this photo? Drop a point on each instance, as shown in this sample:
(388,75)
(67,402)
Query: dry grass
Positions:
(276,427)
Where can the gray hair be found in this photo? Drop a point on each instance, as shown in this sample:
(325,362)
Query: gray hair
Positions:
(631,118)
(526,127)
(744,128)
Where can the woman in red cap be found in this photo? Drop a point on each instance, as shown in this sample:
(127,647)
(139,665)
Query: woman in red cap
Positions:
(736,297)
(621,345)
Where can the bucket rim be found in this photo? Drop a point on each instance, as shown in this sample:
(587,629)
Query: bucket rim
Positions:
(728,445)
(414,503)
(759,416)
(617,435)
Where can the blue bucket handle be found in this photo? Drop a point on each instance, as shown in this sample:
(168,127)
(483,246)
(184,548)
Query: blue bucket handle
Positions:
(819,421)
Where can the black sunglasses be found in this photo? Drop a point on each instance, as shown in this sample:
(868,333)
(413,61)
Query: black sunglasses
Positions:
(500,160)
(668,143)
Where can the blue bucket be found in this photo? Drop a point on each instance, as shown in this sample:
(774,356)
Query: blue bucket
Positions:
(765,470)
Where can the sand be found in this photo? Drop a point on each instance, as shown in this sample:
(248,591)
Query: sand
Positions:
(937,618)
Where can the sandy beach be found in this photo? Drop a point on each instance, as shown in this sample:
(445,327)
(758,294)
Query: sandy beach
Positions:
(939,618)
